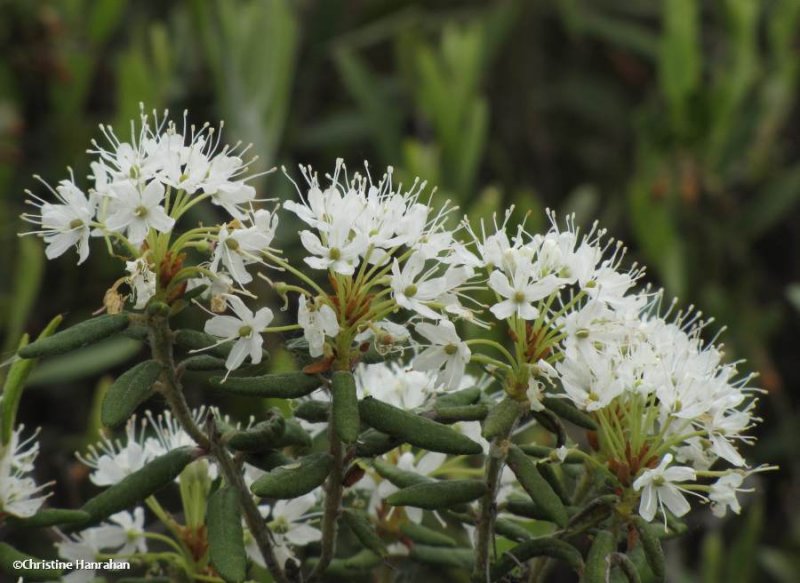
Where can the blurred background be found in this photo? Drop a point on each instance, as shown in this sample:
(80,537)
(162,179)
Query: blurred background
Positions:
(675,123)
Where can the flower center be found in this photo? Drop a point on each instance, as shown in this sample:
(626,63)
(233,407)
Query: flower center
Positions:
(75,224)
(245,331)
(410,291)
(582,333)
(232,244)
(519,297)
(335,254)
(280,525)
(658,481)
(450,349)
(141,211)
(592,396)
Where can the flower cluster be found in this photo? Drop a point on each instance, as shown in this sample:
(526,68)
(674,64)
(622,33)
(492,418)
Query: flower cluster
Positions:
(19,494)
(398,313)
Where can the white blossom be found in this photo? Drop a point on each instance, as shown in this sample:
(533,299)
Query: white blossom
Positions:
(318,323)
(136,210)
(447,353)
(243,329)
(19,493)
(659,489)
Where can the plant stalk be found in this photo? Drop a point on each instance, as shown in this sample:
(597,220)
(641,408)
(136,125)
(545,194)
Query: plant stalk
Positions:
(257,525)
(161,347)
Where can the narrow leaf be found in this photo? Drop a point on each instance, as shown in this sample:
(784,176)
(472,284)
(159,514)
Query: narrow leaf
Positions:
(128,392)
(290,385)
(536,486)
(414,429)
(438,494)
(345,406)
(226,535)
(139,485)
(82,334)
(295,479)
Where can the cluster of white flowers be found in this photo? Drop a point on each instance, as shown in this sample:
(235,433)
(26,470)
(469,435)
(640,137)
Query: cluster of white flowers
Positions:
(19,494)
(152,436)
(588,334)
(142,184)
(123,534)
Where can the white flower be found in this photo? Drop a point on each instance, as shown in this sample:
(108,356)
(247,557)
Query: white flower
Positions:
(289,525)
(123,532)
(392,383)
(659,489)
(142,281)
(66,224)
(340,250)
(244,328)
(520,292)
(114,460)
(123,535)
(238,247)
(414,288)
(225,192)
(446,351)
(137,211)
(723,494)
(19,494)
(317,324)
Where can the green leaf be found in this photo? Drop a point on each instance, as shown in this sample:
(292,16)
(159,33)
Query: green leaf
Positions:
(426,536)
(438,495)
(565,410)
(82,334)
(203,362)
(652,549)
(129,390)
(462,413)
(360,524)
(9,557)
(536,486)
(511,529)
(226,535)
(597,561)
(458,398)
(501,418)
(50,517)
(295,479)
(373,443)
(346,420)
(313,411)
(398,477)
(624,563)
(362,561)
(262,436)
(443,557)
(537,547)
(139,485)
(414,429)
(290,385)
(293,435)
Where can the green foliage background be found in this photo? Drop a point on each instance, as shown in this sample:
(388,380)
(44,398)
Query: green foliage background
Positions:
(673,122)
